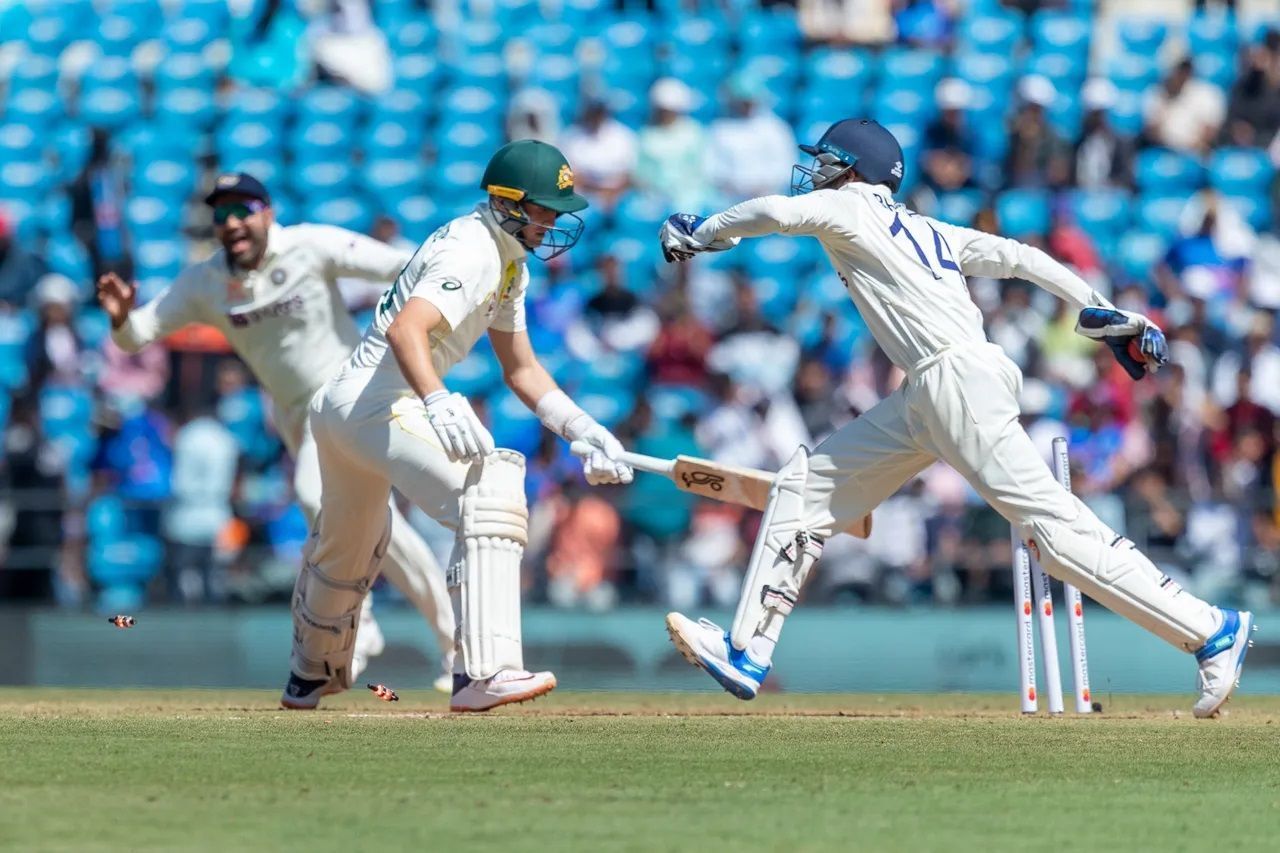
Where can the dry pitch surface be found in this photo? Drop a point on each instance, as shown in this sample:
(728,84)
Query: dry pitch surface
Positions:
(223,770)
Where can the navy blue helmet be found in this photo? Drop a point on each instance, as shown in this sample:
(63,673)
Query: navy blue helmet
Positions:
(863,145)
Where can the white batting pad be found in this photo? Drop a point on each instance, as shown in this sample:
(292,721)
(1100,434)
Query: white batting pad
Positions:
(1109,568)
(783,554)
(326,613)
(492,537)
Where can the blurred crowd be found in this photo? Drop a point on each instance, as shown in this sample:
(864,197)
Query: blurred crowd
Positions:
(163,468)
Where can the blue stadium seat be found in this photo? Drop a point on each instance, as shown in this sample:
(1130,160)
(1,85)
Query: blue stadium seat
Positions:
(1133,72)
(188,35)
(53,214)
(215,13)
(109,71)
(261,106)
(24,179)
(64,409)
(1212,32)
(158,141)
(161,259)
(1066,115)
(467,140)
(1063,32)
(1240,171)
(1142,36)
(475,102)
(333,104)
(1066,70)
(993,34)
(925,66)
(773,31)
(247,139)
(415,35)
(47,35)
(552,37)
(672,402)
(608,405)
(511,422)
(171,180)
(1159,213)
(109,107)
(1216,67)
(1101,212)
(320,141)
(389,181)
(1166,171)
(34,108)
(697,36)
(122,568)
(1126,115)
(323,179)
(118,35)
(417,216)
(67,255)
(959,207)
(93,326)
(400,105)
(842,66)
(1138,253)
(992,71)
(152,218)
(34,72)
(15,329)
(146,15)
(905,106)
(777,294)
(191,109)
(477,375)
(486,70)
(612,371)
(390,138)
(417,72)
(185,71)
(1023,213)
(105,518)
(350,212)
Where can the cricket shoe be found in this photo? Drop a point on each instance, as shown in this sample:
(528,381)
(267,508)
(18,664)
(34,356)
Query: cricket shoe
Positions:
(507,687)
(1221,660)
(369,640)
(303,694)
(706,645)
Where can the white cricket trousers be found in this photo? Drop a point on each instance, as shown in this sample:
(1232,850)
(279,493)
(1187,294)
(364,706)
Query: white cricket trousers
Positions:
(960,406)
(409,565)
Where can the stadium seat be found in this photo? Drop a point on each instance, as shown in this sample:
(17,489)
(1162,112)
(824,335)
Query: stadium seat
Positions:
(1101,212)
(1159,213)
(64,409)
(214,13)
(1240,171)
(34,72)
(1126,115)
(151,218)
(389,138)
(1064,32)
(1138,253)
(392,180)
(122,568)
(511,422)
(68,256)
(844,67)
(477,375)
(1066,70)
(959,207)
(991,34)
(350,212)
(190,109)
(171,180)
(1133,72)
(417,72)
(899,66)
(320,140)
(105,518)
(331,104)
(93,326)
(323,179)
(986,71)
(47,35)
(1254,207)
(1218,68)
(416,34)
(15,329)
(27,179)
(185,71)
(1212,32)
(1165,171)
(161,259)
(1142,36)
(247,139)
(188,35)
(118,35)
(53,214)
(109,107)
(417,216)
(1023,213)
(673,402)
(260,106)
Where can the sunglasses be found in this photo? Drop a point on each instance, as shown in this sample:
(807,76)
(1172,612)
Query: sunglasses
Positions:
(238,209)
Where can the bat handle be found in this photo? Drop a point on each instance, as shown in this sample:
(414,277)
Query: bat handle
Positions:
(652,464)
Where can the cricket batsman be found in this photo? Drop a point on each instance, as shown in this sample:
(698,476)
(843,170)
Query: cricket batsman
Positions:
(272,292)
(388,419)
(906,275)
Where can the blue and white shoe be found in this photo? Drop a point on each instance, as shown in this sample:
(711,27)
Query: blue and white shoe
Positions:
(706,645)
(1221,660)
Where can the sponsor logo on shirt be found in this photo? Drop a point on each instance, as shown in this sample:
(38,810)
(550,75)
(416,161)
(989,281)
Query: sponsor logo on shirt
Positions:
(284,308)
(278,276)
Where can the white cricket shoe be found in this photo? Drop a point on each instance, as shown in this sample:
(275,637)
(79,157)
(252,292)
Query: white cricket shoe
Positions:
(507,687)
(706,645)
(1221,660)
(369,640)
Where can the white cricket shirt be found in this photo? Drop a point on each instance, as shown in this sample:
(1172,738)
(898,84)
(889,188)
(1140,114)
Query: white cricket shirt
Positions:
(286,318)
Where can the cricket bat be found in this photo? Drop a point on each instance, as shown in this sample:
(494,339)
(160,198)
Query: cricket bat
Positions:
(727,483)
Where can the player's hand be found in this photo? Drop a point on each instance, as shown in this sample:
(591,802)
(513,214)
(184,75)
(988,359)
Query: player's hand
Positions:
(604,463)
(457,427)
(680,243)
(117,297)
(1135,341)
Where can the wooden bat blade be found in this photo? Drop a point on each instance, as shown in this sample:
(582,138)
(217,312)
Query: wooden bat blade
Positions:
(743,486)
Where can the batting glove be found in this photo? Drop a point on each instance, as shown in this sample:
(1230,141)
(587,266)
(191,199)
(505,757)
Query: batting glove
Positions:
(459,431)
(1135,341)
(602,465)
(679,242)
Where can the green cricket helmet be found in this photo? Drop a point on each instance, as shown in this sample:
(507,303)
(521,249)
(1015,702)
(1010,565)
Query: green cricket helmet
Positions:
(531,171)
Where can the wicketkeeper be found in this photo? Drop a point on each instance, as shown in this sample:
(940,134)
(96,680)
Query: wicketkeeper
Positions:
(387,419)
(906,275)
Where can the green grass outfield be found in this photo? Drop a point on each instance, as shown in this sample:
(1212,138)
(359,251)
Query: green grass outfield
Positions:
(221,770)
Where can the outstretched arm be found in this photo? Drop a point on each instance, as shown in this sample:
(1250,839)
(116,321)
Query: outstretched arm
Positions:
(132,328)
(354,255)
(770,214)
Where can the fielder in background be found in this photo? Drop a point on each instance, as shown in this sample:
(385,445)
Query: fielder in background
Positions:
(906,275)
(272,292)
(387,420)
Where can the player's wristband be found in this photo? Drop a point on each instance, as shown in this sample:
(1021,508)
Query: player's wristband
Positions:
(561,415)
(435,395)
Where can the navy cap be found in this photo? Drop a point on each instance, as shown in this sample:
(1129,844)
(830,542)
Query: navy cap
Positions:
(865,145)
(237,183)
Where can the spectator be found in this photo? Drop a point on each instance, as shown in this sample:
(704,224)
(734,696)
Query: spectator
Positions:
(350,49)
(923,23)
(615,316)
(751,151)
(1038,157)
(203,479)
(1184,113)
(268,49)
(1259,359)
(708,567)
(97,206)
(534,114)
(1253,110)
(33,472)
(752,350)
(580,564)
(845,22)
(54,351)
(671,149)
(948,146)
(1102,157)
(815,398)
(19,268)
(603,153)
(134,460)
(678,355)
(142,375)
(1207,260)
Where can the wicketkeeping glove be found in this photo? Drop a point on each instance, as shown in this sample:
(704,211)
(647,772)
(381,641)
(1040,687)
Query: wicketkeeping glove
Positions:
(679,242)
(1135,341)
